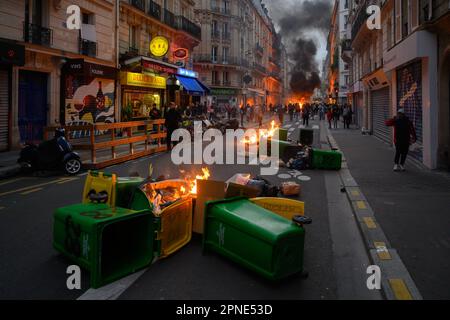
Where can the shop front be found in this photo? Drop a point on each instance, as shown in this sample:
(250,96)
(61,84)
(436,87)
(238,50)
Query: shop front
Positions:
(140,92)
(224,96)
(10,54)
(88,93)
(409,97)
(190,89)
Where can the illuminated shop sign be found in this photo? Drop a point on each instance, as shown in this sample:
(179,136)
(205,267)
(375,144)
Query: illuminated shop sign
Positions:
(187,73)
(181,53)
(142,80)
(159,46)
(158,67)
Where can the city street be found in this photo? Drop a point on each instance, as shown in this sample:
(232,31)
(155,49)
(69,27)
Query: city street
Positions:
(335,254)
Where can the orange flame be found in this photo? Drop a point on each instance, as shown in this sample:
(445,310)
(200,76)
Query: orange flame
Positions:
(193,183)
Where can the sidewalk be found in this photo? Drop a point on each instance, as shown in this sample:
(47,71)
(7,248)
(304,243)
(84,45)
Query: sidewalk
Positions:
(412,208)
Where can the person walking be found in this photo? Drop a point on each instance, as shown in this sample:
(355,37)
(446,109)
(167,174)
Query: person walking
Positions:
(329,116)
(347,117)
(259,115)
(306,115)
(404,137)
(280,112)
(173,118)
(336,116)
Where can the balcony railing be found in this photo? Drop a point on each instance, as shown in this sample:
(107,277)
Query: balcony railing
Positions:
(88,48)
(216,82)
(154,10)
(170,19)
(37,34)
(233,61)
(139,4)
(190,27)
(227,83)
(133,51)
(359,22)
(259,67)
(215,34)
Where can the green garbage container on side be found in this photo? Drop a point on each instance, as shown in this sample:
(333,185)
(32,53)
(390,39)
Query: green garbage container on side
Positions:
(109,242)
(306,137)
(283,134)
(254,237)
(125,189)
(326,160)
(282,146)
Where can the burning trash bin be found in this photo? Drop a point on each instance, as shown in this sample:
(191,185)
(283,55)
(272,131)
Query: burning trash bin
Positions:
(255,238)
(172,207)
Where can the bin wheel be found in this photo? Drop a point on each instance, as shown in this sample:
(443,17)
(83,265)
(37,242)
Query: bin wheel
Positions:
(301,220)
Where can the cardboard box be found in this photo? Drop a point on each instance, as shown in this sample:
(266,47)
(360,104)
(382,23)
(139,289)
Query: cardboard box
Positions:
(207,190)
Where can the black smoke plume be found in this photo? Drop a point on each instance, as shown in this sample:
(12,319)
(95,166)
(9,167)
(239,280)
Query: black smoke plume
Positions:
(296,20)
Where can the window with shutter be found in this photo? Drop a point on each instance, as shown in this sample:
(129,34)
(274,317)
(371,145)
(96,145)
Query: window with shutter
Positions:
(398,20)
(414,14)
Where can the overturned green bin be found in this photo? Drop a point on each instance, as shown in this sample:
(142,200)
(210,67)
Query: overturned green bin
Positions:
(258,239)
(326,160)
(109,242)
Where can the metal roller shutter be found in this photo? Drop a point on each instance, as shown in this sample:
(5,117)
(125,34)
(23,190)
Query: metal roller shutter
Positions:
(380,113)
(409,97)
(4,109)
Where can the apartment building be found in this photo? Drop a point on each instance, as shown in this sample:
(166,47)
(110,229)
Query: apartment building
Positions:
(38,52)
(236,57)
(151,78)
(404,65)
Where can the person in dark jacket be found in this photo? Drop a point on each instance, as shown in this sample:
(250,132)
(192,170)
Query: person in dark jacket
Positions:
(173,118)
(404,136)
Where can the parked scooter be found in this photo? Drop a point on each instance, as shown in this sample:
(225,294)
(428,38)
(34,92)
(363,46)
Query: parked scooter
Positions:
(54,154)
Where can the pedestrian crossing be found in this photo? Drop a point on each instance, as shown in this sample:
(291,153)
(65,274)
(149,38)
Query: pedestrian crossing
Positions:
(290,127)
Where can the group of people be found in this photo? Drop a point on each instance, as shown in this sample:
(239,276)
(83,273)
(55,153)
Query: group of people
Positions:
(335,112)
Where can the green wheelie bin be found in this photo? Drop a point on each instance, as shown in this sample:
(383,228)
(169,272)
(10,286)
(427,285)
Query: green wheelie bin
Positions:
(282,134)
(326,160)
(109,242)
(258,239)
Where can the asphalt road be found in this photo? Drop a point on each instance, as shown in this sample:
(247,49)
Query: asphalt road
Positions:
(31,269)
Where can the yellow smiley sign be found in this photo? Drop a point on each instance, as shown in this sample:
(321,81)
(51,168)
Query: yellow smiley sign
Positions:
(159,46)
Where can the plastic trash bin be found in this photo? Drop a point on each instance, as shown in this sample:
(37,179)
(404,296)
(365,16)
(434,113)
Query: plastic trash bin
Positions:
(282,146)
(306,137)
(109,242)
(326,160)
(283,134)
(254,237)
(106,188)
(173,225)
(286,208)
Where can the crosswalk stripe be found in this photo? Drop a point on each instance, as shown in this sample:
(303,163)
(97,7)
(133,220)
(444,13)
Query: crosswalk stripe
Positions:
(31,187)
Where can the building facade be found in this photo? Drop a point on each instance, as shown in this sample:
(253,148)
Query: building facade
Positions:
(338,75)
(156,42)
(34,90)
(404,65)
(237,58)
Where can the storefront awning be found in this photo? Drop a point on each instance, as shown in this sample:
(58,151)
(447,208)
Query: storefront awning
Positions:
(192,85)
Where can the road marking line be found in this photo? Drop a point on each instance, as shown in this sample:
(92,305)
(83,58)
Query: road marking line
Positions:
(11,181)
(382,250)
(361,205)
(31,191)
(114,290)
(316,127)
(355,193)
(30,187)
(400,289)
(370,223)
(67,180)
